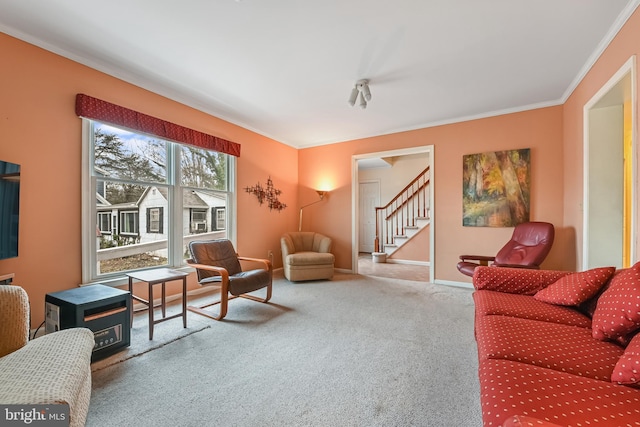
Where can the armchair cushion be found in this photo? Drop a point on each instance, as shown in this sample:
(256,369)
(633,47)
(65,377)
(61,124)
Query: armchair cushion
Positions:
(221,255)
(243,282)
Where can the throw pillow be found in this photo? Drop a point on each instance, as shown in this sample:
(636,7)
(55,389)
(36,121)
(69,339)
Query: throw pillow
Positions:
(627,370)
(575,288)
(618,310)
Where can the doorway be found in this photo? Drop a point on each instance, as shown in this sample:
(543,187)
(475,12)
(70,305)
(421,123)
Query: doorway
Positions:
(610,173)
(357,203)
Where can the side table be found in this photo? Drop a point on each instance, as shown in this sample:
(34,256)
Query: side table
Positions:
(155,277)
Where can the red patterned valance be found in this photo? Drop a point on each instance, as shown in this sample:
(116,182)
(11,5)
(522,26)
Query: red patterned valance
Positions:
(96,109)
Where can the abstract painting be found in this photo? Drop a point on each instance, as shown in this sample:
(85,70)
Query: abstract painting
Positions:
(495,188)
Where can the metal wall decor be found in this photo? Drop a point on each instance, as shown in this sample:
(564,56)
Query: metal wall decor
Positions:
(269,194)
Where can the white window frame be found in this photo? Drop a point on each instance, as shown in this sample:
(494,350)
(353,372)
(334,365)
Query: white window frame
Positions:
(154,220)
(99,222)
(123,220)
(89,217)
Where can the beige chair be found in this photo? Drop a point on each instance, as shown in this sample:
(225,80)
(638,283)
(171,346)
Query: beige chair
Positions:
(306,256)
(217,263)
(52,369)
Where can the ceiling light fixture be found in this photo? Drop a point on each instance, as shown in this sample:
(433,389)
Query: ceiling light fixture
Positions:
(360,91)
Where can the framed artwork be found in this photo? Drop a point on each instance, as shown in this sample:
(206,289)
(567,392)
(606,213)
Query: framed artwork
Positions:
(495,187)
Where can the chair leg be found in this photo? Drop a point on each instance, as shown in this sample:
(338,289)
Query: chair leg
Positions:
(224,300)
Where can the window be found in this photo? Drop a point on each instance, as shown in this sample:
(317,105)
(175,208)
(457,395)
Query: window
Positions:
(150,197)
(129,222)
(154,220)
(198,220)
(219,217)
(104,222)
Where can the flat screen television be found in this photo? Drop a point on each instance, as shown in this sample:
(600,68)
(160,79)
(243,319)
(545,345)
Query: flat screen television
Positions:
(9,209)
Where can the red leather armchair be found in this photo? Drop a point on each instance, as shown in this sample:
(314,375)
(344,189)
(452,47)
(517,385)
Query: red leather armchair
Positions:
(529,246)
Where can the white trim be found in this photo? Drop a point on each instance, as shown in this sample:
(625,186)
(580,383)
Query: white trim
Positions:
(629,67)
(454,284)
(408,262)
(88,188)
(355,195)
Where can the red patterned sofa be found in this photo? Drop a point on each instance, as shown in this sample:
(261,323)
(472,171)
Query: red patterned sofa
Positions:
(558,348)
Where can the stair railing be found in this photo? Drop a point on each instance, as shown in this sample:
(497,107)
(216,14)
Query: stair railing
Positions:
(409,205)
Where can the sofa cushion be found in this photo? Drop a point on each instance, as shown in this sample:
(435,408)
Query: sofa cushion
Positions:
(627,370)
(310,258)
(514,280)
(618,310)
(549,345)
(525,307)
(509,388)
(576,288)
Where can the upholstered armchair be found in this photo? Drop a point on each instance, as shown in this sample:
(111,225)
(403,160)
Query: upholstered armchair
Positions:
(306,256)
(52,369)
(528,247)
(217,263)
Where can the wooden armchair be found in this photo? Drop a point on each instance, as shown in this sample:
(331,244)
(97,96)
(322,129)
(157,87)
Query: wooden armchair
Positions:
(217,264)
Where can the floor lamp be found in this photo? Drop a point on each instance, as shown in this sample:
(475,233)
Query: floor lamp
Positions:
(321,194)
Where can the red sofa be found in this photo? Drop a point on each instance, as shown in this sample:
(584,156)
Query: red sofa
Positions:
(558,348)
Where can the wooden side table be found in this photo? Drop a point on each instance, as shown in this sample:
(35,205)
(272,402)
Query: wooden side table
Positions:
(155,277)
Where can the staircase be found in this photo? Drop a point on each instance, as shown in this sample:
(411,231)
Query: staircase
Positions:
(404,216)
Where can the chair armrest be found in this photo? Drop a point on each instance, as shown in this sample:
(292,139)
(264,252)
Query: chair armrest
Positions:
(477,257)
(14,318)
(221,271)
(266,262)
(325,244)
(481,259)
(286,244)
(514,280)
(529,267)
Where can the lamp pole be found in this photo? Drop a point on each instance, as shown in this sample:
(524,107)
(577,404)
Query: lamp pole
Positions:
(321,194)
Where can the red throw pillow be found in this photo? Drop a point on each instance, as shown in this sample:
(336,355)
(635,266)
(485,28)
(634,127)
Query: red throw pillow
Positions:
(618,310)
(627,370)
(575,288)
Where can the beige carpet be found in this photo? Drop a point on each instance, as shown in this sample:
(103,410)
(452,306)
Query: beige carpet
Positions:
(353,351)
(163,334)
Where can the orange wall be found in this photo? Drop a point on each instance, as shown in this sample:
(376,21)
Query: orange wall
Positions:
(623,46)
(540,130)
(40,131)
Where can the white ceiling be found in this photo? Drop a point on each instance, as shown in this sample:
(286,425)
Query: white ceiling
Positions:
(285,68)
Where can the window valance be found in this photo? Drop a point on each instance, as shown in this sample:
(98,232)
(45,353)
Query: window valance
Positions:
(96,109)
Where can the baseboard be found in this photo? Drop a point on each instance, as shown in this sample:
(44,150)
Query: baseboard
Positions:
(408,262)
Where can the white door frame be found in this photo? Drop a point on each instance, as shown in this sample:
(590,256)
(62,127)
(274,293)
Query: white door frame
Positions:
(629,67)
(355,215)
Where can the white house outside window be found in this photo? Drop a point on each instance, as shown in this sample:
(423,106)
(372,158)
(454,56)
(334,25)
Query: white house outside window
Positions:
(158,191)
